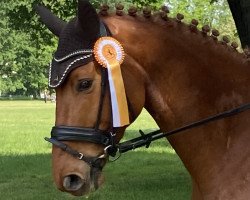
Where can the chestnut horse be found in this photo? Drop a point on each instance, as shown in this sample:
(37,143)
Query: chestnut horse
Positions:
(180,75)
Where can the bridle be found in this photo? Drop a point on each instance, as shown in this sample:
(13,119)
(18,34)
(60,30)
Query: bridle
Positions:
(107,138)
(93,135)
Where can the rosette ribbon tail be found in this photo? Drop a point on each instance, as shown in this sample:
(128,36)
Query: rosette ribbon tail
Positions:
(118,96)
(110,54)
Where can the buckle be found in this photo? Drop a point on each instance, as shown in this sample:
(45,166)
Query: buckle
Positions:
(80,156)
(112,134)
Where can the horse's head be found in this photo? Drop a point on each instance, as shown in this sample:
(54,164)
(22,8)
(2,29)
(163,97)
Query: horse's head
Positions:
(83,136)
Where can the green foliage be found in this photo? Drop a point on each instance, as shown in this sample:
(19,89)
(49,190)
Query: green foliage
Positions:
(156,4)
(26,45)
(216,14)
(25,51)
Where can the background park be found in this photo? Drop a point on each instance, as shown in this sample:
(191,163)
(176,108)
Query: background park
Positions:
(26,47)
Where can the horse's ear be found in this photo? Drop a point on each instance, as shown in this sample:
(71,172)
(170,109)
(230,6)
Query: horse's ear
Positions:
(52,22)
(88,19)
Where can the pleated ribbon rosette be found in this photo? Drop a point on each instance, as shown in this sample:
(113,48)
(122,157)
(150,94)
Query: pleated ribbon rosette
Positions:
(110,54)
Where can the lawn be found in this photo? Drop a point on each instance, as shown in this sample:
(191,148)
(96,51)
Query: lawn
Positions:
(25,166)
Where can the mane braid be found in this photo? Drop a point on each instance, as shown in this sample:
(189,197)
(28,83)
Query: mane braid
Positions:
(161,18)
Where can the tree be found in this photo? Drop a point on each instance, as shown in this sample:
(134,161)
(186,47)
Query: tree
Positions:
(26,45)
(216,14)
(25,50)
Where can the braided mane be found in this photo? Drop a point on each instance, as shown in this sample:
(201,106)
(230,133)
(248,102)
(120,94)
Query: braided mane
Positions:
(162,18)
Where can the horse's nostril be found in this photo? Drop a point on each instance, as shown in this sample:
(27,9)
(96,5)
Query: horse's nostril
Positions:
(73,182)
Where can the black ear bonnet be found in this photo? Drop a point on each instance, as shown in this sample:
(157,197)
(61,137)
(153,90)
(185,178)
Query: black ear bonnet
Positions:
(73,51)
(76,40)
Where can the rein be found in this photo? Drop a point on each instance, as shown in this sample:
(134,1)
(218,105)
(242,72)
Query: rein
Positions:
(146,139)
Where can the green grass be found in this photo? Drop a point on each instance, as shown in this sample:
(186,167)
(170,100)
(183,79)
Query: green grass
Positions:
(25,162)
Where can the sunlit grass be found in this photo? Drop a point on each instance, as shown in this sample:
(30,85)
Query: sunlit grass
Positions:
(25,169)
(23,124)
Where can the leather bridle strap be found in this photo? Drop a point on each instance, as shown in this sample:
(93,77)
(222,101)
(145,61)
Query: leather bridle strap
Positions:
(103,91)
(146,139)
(91,161)
(70,133)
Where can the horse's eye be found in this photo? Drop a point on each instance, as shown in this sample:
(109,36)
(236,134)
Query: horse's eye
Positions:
(84,85)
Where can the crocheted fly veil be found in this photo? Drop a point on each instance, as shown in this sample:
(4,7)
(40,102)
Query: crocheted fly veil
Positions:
(76,40)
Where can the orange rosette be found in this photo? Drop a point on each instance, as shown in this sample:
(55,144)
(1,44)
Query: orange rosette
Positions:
(109,53)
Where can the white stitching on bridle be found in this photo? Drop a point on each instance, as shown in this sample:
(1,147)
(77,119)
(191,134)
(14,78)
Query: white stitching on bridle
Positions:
(73,54)
(65,72)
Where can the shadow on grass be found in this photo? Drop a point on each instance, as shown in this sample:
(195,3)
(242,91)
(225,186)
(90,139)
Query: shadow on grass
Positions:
(136,175)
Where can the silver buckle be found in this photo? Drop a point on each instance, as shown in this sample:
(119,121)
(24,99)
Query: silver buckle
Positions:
(112,134)
(80,156)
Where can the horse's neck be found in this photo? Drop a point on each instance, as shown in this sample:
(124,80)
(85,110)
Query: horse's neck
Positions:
(190,77)
(185,71)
